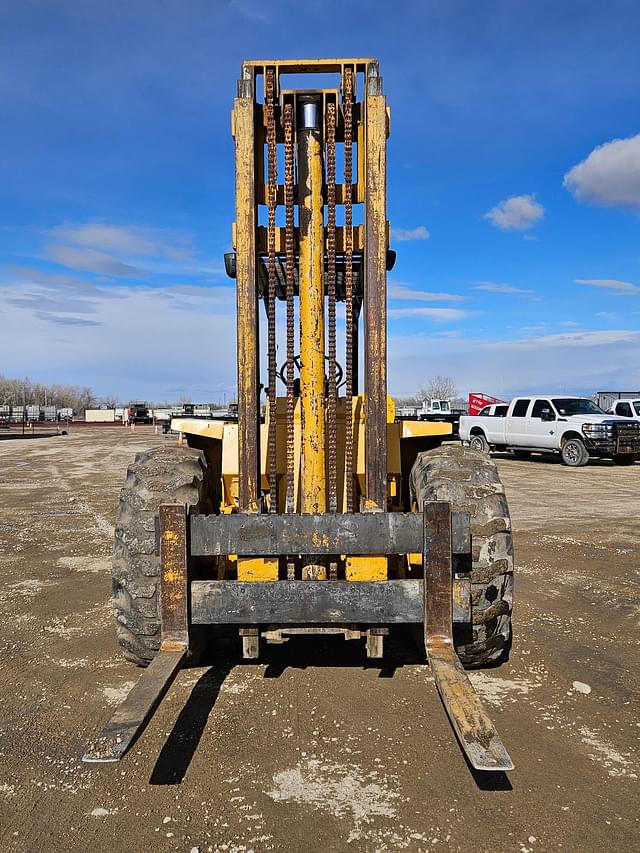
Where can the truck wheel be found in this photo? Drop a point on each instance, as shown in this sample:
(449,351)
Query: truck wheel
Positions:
(625,458)
(173,474)
(574,453)
(470,483)
(479,442)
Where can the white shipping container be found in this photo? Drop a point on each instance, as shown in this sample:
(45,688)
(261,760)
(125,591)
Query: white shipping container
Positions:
(100,415)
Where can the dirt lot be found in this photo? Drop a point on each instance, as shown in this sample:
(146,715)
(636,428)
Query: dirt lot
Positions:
(316,750)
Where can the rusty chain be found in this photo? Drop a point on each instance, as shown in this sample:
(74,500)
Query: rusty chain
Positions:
(272,177)
(347,101)
(290,283)
(331,293)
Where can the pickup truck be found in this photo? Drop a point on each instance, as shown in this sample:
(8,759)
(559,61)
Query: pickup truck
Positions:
(626,408)
(573,427)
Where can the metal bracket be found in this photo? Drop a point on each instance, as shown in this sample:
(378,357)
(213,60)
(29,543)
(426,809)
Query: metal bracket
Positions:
(471,723)
(136,709)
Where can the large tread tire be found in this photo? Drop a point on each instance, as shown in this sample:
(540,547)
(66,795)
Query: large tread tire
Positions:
(470,482)
(173,475)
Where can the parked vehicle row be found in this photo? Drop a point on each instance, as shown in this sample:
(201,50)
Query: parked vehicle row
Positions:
(573,427)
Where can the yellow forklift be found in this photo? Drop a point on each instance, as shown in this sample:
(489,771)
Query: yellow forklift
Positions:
(319,512)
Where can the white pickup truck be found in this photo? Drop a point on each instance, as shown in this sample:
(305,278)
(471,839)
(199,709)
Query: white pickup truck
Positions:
(626,408)
(574,427)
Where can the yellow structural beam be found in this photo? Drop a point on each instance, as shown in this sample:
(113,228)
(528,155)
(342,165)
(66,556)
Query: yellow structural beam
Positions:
(311,248)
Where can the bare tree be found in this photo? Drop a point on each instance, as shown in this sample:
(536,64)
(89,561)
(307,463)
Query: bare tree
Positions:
(438,388)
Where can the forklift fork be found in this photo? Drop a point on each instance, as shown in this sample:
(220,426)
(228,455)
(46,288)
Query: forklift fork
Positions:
(429,601)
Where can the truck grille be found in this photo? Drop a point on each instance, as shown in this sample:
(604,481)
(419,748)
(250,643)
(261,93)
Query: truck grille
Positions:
(628,438)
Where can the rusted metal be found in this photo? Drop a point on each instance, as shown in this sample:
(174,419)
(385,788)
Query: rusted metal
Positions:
(347,107)
(324,534)
(272,180)
(132,715)
(174,605)
(247,296)
(471,723)
(375,315)
(290,283)
(324,602)
(134,712)
(332,437)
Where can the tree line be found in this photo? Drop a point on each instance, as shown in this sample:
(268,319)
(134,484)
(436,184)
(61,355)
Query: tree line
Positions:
(19,392)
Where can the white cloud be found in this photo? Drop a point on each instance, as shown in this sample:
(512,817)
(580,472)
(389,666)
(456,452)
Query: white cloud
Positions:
(401,235)
(518,213)
(444,315)
(606,315)
(609,176)
(397,290)
(495,287)
(124,239)
(110,336)
(89,260)
(569,362)
(621,288)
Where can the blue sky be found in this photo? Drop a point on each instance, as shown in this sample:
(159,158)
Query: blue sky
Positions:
(514,187)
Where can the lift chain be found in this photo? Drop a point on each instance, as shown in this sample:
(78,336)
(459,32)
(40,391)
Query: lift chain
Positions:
(290,282)
(331,293)
(347,100)
(272,177)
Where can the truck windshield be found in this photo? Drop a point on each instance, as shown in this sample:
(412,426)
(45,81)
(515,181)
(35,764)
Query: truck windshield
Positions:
(576,406)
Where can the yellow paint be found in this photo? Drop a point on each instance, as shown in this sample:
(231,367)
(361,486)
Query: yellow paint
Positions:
(257,569)
(312,323)
(417,429)
(366,568)
(199,426)
(391,410)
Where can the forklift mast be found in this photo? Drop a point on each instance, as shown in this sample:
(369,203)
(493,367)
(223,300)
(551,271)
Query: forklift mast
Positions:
(310,263)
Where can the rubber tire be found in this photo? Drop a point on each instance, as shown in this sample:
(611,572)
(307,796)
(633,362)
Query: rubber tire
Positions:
(470,482)
(171,474)
(481,443)
(625,459)
(578,461)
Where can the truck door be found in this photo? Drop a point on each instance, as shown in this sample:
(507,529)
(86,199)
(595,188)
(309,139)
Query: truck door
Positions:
(516,423)
(542,433)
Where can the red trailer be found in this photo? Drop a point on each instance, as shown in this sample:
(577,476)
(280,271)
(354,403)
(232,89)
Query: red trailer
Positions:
(478,400)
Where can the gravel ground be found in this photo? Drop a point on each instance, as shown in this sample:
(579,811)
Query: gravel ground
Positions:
(313,749)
